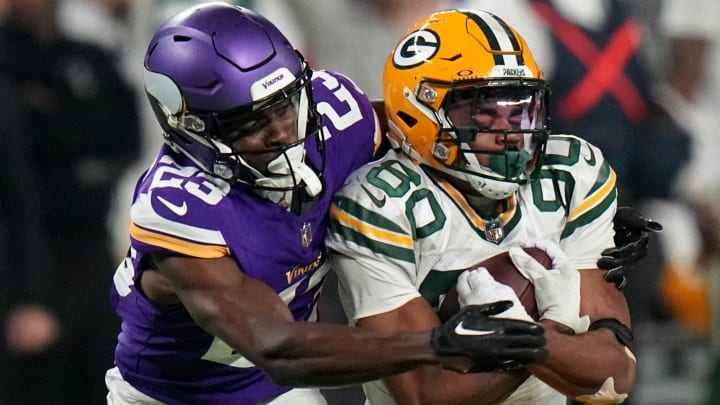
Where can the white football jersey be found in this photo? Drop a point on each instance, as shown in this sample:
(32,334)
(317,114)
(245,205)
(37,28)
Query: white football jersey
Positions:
(411,235)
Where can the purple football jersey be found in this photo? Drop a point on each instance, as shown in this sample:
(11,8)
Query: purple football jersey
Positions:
(178,209)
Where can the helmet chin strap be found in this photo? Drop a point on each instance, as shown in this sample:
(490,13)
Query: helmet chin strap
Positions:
(511,164)
(289,169)
(492,189)
(495,190)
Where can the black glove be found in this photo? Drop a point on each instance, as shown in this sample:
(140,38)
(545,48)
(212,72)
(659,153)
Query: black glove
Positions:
(631,241)
(494,344)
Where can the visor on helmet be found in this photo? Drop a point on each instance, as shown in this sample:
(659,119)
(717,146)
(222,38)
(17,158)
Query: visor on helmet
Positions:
(507,108)
(488,109)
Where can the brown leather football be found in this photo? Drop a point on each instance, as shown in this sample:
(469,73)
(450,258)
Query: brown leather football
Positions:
(503,270)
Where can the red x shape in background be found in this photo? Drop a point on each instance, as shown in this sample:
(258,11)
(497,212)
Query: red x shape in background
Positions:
(604,69)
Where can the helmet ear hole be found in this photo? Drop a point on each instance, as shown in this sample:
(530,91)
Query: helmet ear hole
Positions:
(407,119)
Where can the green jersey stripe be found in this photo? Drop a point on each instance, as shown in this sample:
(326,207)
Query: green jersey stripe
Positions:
(363,214)
(353,236)
(602,178)
(591,214)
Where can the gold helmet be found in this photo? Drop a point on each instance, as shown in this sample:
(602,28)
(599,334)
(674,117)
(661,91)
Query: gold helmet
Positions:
(469,58)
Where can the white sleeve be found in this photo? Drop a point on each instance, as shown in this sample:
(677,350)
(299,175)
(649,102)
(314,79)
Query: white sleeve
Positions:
(592,204)
(368,289)
(584,246)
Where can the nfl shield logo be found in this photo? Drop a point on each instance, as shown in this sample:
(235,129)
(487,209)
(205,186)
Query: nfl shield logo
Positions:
(306,234)
(494,232)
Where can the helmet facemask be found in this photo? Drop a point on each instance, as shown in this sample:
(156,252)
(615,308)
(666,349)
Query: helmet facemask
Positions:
(492,133)
(284,167)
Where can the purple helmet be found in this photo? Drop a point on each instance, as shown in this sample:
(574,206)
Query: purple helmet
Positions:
(213,68)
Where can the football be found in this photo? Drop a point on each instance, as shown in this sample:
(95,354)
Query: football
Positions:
(503,271)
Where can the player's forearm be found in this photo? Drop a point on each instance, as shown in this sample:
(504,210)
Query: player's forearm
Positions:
(586,364)
(316,354)
(249,317)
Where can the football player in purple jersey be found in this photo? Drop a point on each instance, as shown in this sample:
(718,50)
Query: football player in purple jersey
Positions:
(219,288)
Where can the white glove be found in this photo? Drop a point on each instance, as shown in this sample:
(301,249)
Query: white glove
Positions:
(557,291)
(477,287)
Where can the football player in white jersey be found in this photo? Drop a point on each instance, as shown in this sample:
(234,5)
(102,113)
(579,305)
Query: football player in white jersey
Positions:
(475,172)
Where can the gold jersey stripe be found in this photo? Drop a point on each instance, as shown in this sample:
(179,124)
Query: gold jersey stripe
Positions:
(178,245)
(596,198)
(369,230)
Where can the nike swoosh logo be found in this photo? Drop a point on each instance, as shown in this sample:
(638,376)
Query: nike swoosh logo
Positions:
(461,330)
(591,160)
(378,202)
(179,210)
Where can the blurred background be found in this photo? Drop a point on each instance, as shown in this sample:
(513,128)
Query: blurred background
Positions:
(638,78)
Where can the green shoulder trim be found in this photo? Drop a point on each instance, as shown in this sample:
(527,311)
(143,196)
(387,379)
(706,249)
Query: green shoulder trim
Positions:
(355,224)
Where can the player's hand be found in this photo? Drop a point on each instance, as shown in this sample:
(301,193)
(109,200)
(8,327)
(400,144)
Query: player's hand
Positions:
(477,286)
(557,291)
(493,344)
(631,241)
